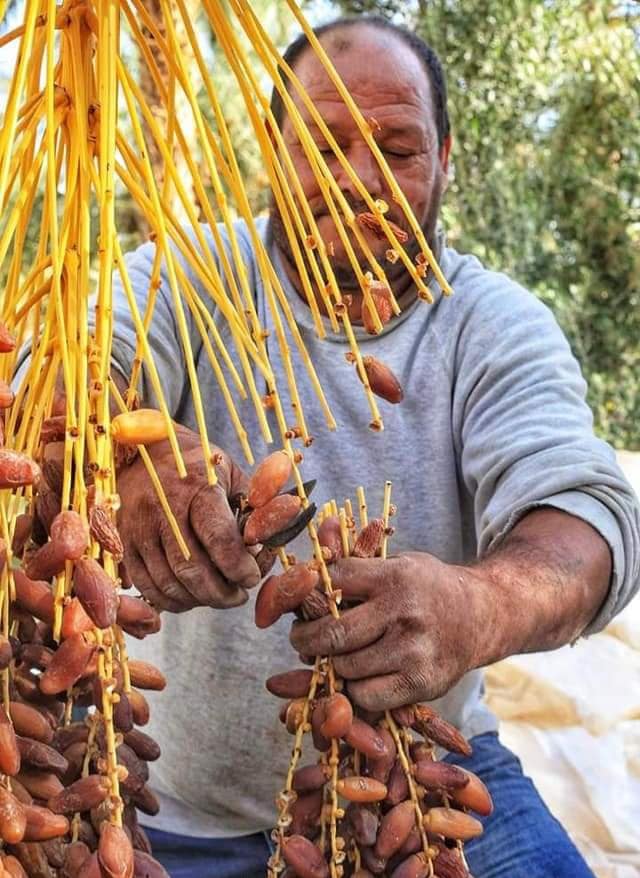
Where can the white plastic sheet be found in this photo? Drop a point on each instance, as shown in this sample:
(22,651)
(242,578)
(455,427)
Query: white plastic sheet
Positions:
(573,717)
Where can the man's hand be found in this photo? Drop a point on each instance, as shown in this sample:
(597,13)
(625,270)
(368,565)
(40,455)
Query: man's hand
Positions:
(423,624)
(411,638)
(220,569)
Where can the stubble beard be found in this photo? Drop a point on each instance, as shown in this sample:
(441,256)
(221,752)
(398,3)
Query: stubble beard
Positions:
(344,273)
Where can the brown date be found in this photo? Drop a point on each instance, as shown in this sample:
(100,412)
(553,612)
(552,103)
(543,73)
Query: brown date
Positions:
(115,852)
(20,792)
(363,737)
(290,684)
(9,751)
(90,868)
(75,855)
(474,795)
(338,716)
(270,519)
(33,860)
(144,866)
(17,470)
(305,813)
(69,539)
(271,475)
(146,801)
(96,591)
(13,819)
(310,778)
(137,617)
(7,340)
(330,537)
(28,721)
(284,592)
(382,381)
(34,596)
(35,754)
(448,864)
(13,867)
(440,776)
(68,665)
(369,539)
(452,824)
(82,795)
(21,533)
(414,866)
(104,531)
(380,769)
(381,302)
(6,395)
(431,725)
(142,745)
(40,784)
(304,857)
(361,789)
(395,828)
(397,785)
(75,619)
(139,707)
(42,824)
(144,675)
(364,823)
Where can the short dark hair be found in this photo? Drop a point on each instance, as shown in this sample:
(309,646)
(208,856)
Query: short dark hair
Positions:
(418,46)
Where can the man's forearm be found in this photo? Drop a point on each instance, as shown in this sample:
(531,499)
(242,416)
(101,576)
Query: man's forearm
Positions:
(541,588)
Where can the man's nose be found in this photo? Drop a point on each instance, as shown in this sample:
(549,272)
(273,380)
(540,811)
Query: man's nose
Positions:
(367,170)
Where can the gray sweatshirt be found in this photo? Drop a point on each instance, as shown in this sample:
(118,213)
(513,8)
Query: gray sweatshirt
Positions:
(493,424)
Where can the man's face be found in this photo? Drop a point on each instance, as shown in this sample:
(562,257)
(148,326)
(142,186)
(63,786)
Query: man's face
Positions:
(389,85)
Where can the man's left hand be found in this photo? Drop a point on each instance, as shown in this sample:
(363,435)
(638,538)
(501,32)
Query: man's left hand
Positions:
(412,637)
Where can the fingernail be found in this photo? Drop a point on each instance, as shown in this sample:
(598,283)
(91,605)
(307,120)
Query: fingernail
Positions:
(237,598)
(306,659)
(252,577)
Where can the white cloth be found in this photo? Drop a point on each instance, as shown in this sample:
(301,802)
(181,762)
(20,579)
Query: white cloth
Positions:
(573,717)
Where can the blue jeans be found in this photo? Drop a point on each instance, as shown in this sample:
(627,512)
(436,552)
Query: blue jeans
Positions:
(521,838)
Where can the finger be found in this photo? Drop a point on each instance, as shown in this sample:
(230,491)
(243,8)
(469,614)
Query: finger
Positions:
(381,693)
(355,629)
(374,661)
(163,578)
(215,525)
(142,580)
(360,578)
(197,574)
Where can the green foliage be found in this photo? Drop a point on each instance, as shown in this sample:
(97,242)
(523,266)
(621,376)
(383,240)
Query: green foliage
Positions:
(545,106)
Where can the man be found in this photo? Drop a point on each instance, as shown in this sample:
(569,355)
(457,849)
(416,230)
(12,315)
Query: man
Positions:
(515,532)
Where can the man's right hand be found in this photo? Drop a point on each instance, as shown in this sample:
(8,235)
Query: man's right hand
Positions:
(220,569)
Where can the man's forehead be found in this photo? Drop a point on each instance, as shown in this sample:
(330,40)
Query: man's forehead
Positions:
(371,62)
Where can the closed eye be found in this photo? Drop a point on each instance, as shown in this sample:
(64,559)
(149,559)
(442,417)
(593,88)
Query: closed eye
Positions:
(397,153)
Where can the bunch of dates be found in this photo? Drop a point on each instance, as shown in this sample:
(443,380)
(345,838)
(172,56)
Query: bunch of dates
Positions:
(377,814)
(57,800)
(376,784)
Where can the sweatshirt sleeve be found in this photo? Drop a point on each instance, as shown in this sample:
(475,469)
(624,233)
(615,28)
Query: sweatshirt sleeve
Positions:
(163,335)
(525,433)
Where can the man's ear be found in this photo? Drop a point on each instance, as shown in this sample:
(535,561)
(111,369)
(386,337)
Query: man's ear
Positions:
(445,151)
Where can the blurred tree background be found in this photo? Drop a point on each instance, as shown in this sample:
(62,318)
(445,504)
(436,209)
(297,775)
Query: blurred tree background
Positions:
(545,106)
